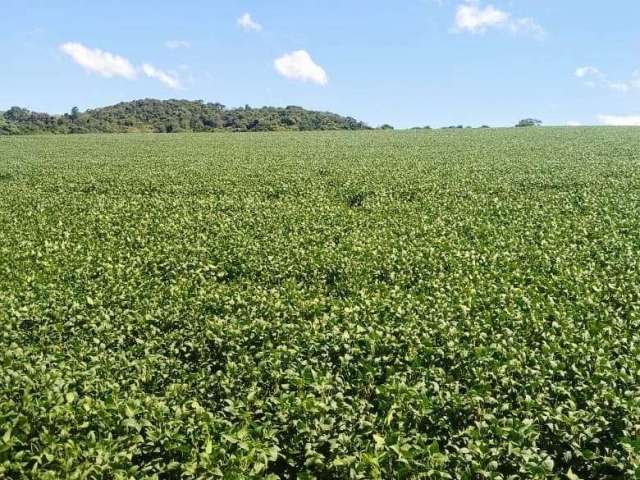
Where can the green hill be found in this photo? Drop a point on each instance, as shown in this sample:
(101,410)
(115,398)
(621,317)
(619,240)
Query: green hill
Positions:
(150,115)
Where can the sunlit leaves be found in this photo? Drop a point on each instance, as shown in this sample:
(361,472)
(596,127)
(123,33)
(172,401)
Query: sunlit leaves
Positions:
(362,305)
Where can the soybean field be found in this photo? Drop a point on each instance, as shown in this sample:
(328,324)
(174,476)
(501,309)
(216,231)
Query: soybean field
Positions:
(322,305)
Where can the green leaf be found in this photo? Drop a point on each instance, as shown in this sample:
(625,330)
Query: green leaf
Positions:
(572,476)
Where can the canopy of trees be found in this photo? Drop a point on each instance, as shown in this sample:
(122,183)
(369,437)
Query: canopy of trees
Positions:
(169,116)
(529,122)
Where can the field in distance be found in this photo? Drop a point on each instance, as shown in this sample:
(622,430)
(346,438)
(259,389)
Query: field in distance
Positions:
(447,304)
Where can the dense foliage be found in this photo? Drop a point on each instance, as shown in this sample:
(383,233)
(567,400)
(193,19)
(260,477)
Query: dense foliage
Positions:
(173,116)
(458,305)
(529,122)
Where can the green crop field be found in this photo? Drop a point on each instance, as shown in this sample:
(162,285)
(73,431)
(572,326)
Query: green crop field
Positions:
(447,304)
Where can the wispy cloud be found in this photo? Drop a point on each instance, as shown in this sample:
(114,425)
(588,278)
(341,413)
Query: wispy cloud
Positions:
(97,61)
(473,18)
(587,71)
(594,77)
(248,24)
(176,44)
(110,65)
(619,87)
(527,26)
(620,120)
(153,72)
(573,123)
(300,66)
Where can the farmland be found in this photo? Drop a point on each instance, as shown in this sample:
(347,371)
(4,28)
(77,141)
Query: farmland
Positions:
(450,304)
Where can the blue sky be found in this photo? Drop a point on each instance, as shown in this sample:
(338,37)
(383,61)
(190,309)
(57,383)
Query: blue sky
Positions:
(405,62)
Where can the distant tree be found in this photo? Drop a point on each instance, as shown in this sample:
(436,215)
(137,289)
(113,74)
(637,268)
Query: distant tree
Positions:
(218,107)
(5,127)
(485,126)
(17,114)
(529,122)
(386,126)
(75,113)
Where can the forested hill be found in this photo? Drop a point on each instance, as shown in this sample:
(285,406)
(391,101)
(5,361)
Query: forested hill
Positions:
(169,116)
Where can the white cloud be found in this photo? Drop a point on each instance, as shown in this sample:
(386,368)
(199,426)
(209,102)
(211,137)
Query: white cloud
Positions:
(623,120)
(248,24)
(95,60)
(594,77)
(473,18)
(587,71)
(573,123)
(110,65)
(477,20)
(299,65)
(153,72)
(527,26)
(619,87)
(176,44)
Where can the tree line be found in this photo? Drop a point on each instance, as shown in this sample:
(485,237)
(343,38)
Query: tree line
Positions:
(172,116)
